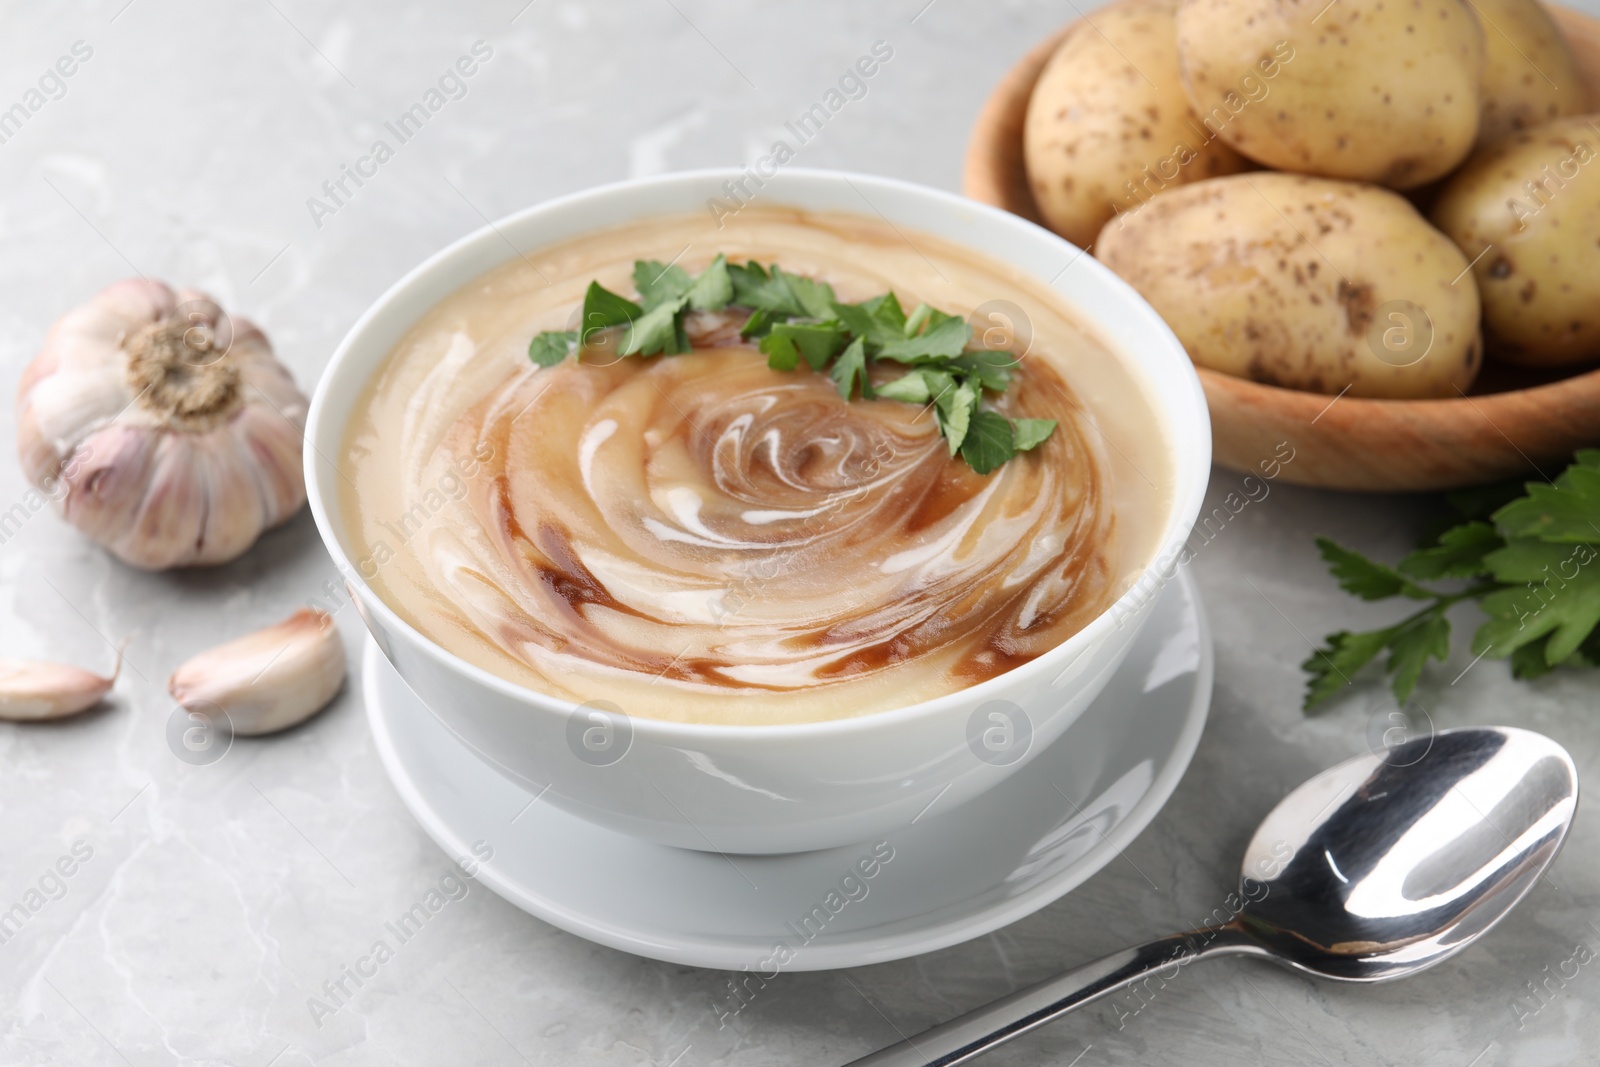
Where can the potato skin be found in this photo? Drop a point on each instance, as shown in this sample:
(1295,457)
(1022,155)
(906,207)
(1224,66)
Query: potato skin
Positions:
(1108,110)
(1290,280)
(1533,196)
(1529,74)
(1383,91)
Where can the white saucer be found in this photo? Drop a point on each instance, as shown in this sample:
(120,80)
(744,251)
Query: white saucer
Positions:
(954,874)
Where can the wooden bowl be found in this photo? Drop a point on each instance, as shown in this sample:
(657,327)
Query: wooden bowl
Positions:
(1515,423)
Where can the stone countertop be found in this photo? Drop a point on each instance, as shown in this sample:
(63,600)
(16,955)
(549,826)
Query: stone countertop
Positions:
(193,144)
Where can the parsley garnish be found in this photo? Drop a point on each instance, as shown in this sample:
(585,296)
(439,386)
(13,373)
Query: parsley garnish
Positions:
(795,319)
(1532,562)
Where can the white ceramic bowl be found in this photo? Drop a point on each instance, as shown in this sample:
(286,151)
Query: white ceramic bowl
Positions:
(784,788)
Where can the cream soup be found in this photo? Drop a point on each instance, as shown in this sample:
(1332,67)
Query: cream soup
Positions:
(701,538)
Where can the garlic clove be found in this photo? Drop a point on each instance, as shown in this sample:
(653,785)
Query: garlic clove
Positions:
(36,690)
(69,405)
(167,527)
(87,337)
(41,461)
(274,442)
(269,680)
(137,298)
(234,512)
(264,379)
(106,481)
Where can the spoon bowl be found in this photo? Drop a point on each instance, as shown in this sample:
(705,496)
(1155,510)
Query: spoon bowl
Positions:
(1402,859)
(1374,869)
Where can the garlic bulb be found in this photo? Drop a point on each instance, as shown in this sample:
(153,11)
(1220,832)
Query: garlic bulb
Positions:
(33,690)
(269,680)
(165,430)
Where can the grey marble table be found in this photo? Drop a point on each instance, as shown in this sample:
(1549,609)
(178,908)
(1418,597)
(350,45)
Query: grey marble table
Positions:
(193,144)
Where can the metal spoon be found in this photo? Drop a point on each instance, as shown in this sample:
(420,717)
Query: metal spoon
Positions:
(1372,870)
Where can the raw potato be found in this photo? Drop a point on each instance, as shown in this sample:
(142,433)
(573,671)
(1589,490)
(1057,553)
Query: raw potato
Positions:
(1533,200)
(1299,282)
(1382,91)
(1529,75)
(1108,124)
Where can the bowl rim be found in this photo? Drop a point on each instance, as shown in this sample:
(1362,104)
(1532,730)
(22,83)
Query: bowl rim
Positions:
(1191,458)
(1448,408)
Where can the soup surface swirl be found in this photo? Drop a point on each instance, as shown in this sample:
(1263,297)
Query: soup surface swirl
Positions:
(699,537)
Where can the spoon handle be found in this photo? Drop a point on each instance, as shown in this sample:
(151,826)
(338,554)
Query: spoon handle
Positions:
(971,1035)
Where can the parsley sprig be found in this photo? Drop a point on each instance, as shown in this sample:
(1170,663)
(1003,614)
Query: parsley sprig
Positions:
(1530,557)
(796,319)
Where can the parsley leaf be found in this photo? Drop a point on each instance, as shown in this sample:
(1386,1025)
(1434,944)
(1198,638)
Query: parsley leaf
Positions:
(666,291)
(941,384)
(754,288)
(944,341)
(817,342)
(1368,580)
(886,309)
(551,347)
(1567,511)
(1458,553)
(1540,598)
(954,409)
(759,323)
(1411,645)
(1031,433)
(851,368)
(659,283)
(793,318)
(1535,569)
(1528,661)
(991,368)
(1527,559)
(780,294)
(781,352)
(880,321)
(603,309)
(912,387)
(815,298)
(924,317)
(713,289)
(1331,668)
(989,441)
(657,330)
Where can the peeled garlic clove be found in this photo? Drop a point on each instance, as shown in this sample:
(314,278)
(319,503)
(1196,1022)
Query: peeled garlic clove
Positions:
(33,690)
(163,428)
(269,680)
